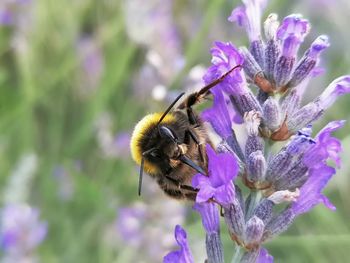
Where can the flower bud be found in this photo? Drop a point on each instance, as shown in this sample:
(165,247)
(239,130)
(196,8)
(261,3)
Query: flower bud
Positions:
(214,248)
(254,231)
(264,210)
(254,141)
(234,218)
(278,224)
(257,50)
(250,65)
(272,114)
(256,166)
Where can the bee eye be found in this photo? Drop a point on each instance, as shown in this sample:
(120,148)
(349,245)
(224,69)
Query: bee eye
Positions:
(155,154)
(166,132)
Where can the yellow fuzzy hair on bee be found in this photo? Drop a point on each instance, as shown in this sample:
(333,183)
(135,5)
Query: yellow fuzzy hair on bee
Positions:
(141,127)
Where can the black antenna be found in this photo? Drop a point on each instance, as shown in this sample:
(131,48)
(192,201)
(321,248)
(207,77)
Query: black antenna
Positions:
(141,174)
(217,81)
(141,168)
(170,107)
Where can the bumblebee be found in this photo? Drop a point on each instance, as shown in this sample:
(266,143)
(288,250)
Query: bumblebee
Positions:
(170,146)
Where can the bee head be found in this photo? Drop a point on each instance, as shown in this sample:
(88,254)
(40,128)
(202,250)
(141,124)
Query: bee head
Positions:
(154,143)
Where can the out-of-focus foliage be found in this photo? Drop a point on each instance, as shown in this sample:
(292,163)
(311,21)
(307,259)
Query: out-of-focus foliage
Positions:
(75,76)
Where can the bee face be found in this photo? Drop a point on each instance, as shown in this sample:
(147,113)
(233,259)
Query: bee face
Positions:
(159,144)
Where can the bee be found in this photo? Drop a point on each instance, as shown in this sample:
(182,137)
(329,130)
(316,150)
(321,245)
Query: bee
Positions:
(170,146)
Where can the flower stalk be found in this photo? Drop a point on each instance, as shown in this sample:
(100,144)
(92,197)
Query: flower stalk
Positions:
(291,179)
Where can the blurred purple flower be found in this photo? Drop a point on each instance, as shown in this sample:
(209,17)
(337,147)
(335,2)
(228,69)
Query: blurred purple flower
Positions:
(21,230)
(91,64)
(222,169)
(10,11)
(183,255)
(264,256)
(6,17)
(65,183)
(129,224)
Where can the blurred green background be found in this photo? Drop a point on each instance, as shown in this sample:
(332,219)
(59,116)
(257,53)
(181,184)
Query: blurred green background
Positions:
(75,77)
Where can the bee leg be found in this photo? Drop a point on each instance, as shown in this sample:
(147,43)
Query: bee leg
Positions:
(201,152)
(182,186)
(199,95)
(191,196)
(200,146)
(191,116)
(191,193)
(222,213)
(174,193)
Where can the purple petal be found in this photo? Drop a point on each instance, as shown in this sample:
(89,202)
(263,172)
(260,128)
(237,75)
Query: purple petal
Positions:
(264,256)
(293,25)
(249,17)
(204,194)
(225,194)
(223,168)
(325,147)
(183,255)
(239,16)
(225,56)
(337,88)
(222,125)
(290,45)
(292,32)
(310,192)
(320,43)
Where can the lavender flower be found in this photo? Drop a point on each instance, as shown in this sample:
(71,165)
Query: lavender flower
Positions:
(6,17)
(129,224)
(150,23)
(9,11)
(299,171)
(183,255)
(21,232)
(91,64)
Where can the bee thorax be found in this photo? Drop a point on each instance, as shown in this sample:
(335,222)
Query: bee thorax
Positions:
(174,163)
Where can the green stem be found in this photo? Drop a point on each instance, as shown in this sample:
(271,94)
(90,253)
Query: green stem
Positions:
(238,255)
(255,199)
